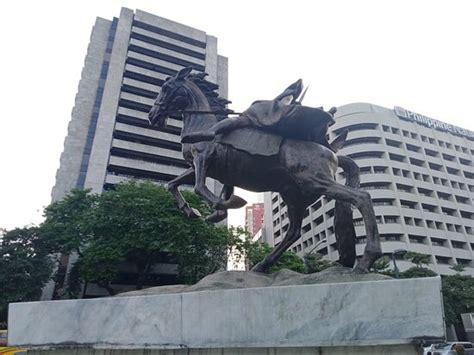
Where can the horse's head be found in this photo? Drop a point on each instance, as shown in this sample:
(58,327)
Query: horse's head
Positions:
(172,98)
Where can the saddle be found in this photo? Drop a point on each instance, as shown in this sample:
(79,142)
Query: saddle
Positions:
(253,141)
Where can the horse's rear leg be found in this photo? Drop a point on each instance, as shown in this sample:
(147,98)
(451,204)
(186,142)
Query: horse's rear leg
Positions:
(362,200)
(185,178)
(295,216)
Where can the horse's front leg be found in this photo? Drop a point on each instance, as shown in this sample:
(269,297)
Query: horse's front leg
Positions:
(201,163)
(185,178)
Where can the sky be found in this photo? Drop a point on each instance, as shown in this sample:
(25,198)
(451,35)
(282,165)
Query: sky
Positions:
(415,54)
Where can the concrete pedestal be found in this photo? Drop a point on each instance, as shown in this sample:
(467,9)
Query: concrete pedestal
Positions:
(379,317)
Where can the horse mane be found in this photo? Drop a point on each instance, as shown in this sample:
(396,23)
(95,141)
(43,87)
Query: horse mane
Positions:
(217,103)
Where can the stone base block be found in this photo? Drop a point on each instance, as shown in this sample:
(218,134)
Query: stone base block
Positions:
(405,349)
(384,317)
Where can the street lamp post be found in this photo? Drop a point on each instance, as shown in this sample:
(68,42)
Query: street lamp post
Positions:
(398,252)
(317,245)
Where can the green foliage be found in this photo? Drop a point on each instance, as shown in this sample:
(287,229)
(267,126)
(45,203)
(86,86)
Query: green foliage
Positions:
(315,263)
(382,265)
(66,225)
(458,297)
(417,271)
(137,224)
(458,268)
(25,267)
(255,253)
(418,259)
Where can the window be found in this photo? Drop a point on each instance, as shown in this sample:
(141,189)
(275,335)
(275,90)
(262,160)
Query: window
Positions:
(431,153)
(448,157)
(425,192)
(366,155)
(448,211)
(404,188)
(408,204)
(412,148)
(417,239)
(391,237)
(434,166)
(462,199)
(443,260)
(444,196)
(428,208)
(452,171)
(391,219)
(382,202)
(396,157)
(417,162)
(458,245)
(438,242)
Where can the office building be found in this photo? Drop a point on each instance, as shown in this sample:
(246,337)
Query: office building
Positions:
(109,138)
(420,174)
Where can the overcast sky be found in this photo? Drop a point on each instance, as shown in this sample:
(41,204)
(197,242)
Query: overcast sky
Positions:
(414,54)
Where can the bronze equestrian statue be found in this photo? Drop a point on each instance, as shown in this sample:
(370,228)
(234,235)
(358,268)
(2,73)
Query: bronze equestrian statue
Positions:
(263,159)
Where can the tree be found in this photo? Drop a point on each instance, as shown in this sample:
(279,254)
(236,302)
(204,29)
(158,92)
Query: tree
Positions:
(25,267)
(315,263)
(135,224)
(458,297)
(419,270)
(382,266)
(418,259)
(255,252)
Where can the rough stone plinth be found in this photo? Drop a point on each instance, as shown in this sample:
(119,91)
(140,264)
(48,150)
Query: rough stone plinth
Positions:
(349,315)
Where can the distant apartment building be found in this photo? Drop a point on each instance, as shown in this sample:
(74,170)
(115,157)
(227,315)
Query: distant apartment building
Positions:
(254,218)
(420,174)
(109,138)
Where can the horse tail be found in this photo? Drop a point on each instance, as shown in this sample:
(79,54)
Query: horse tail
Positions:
(343,223)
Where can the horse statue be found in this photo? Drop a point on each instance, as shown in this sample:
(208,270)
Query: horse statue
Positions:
(300,171)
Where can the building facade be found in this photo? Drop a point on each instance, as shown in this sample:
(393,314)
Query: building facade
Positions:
(109,137)
(254,218)
(420,175)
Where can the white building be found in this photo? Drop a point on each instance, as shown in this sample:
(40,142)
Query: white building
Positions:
(420,174)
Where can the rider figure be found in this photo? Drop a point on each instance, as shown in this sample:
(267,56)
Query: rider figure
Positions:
(283,116)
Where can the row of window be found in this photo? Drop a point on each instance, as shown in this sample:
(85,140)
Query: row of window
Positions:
(412,135)
(440,259)
(430,140)
(413,162)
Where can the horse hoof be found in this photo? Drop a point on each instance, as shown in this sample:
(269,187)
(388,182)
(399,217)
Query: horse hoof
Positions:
(233,202)
(258,268)
(217,216)
(359,269)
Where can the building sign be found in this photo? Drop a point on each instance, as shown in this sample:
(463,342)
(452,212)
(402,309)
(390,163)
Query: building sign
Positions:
(432,123)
